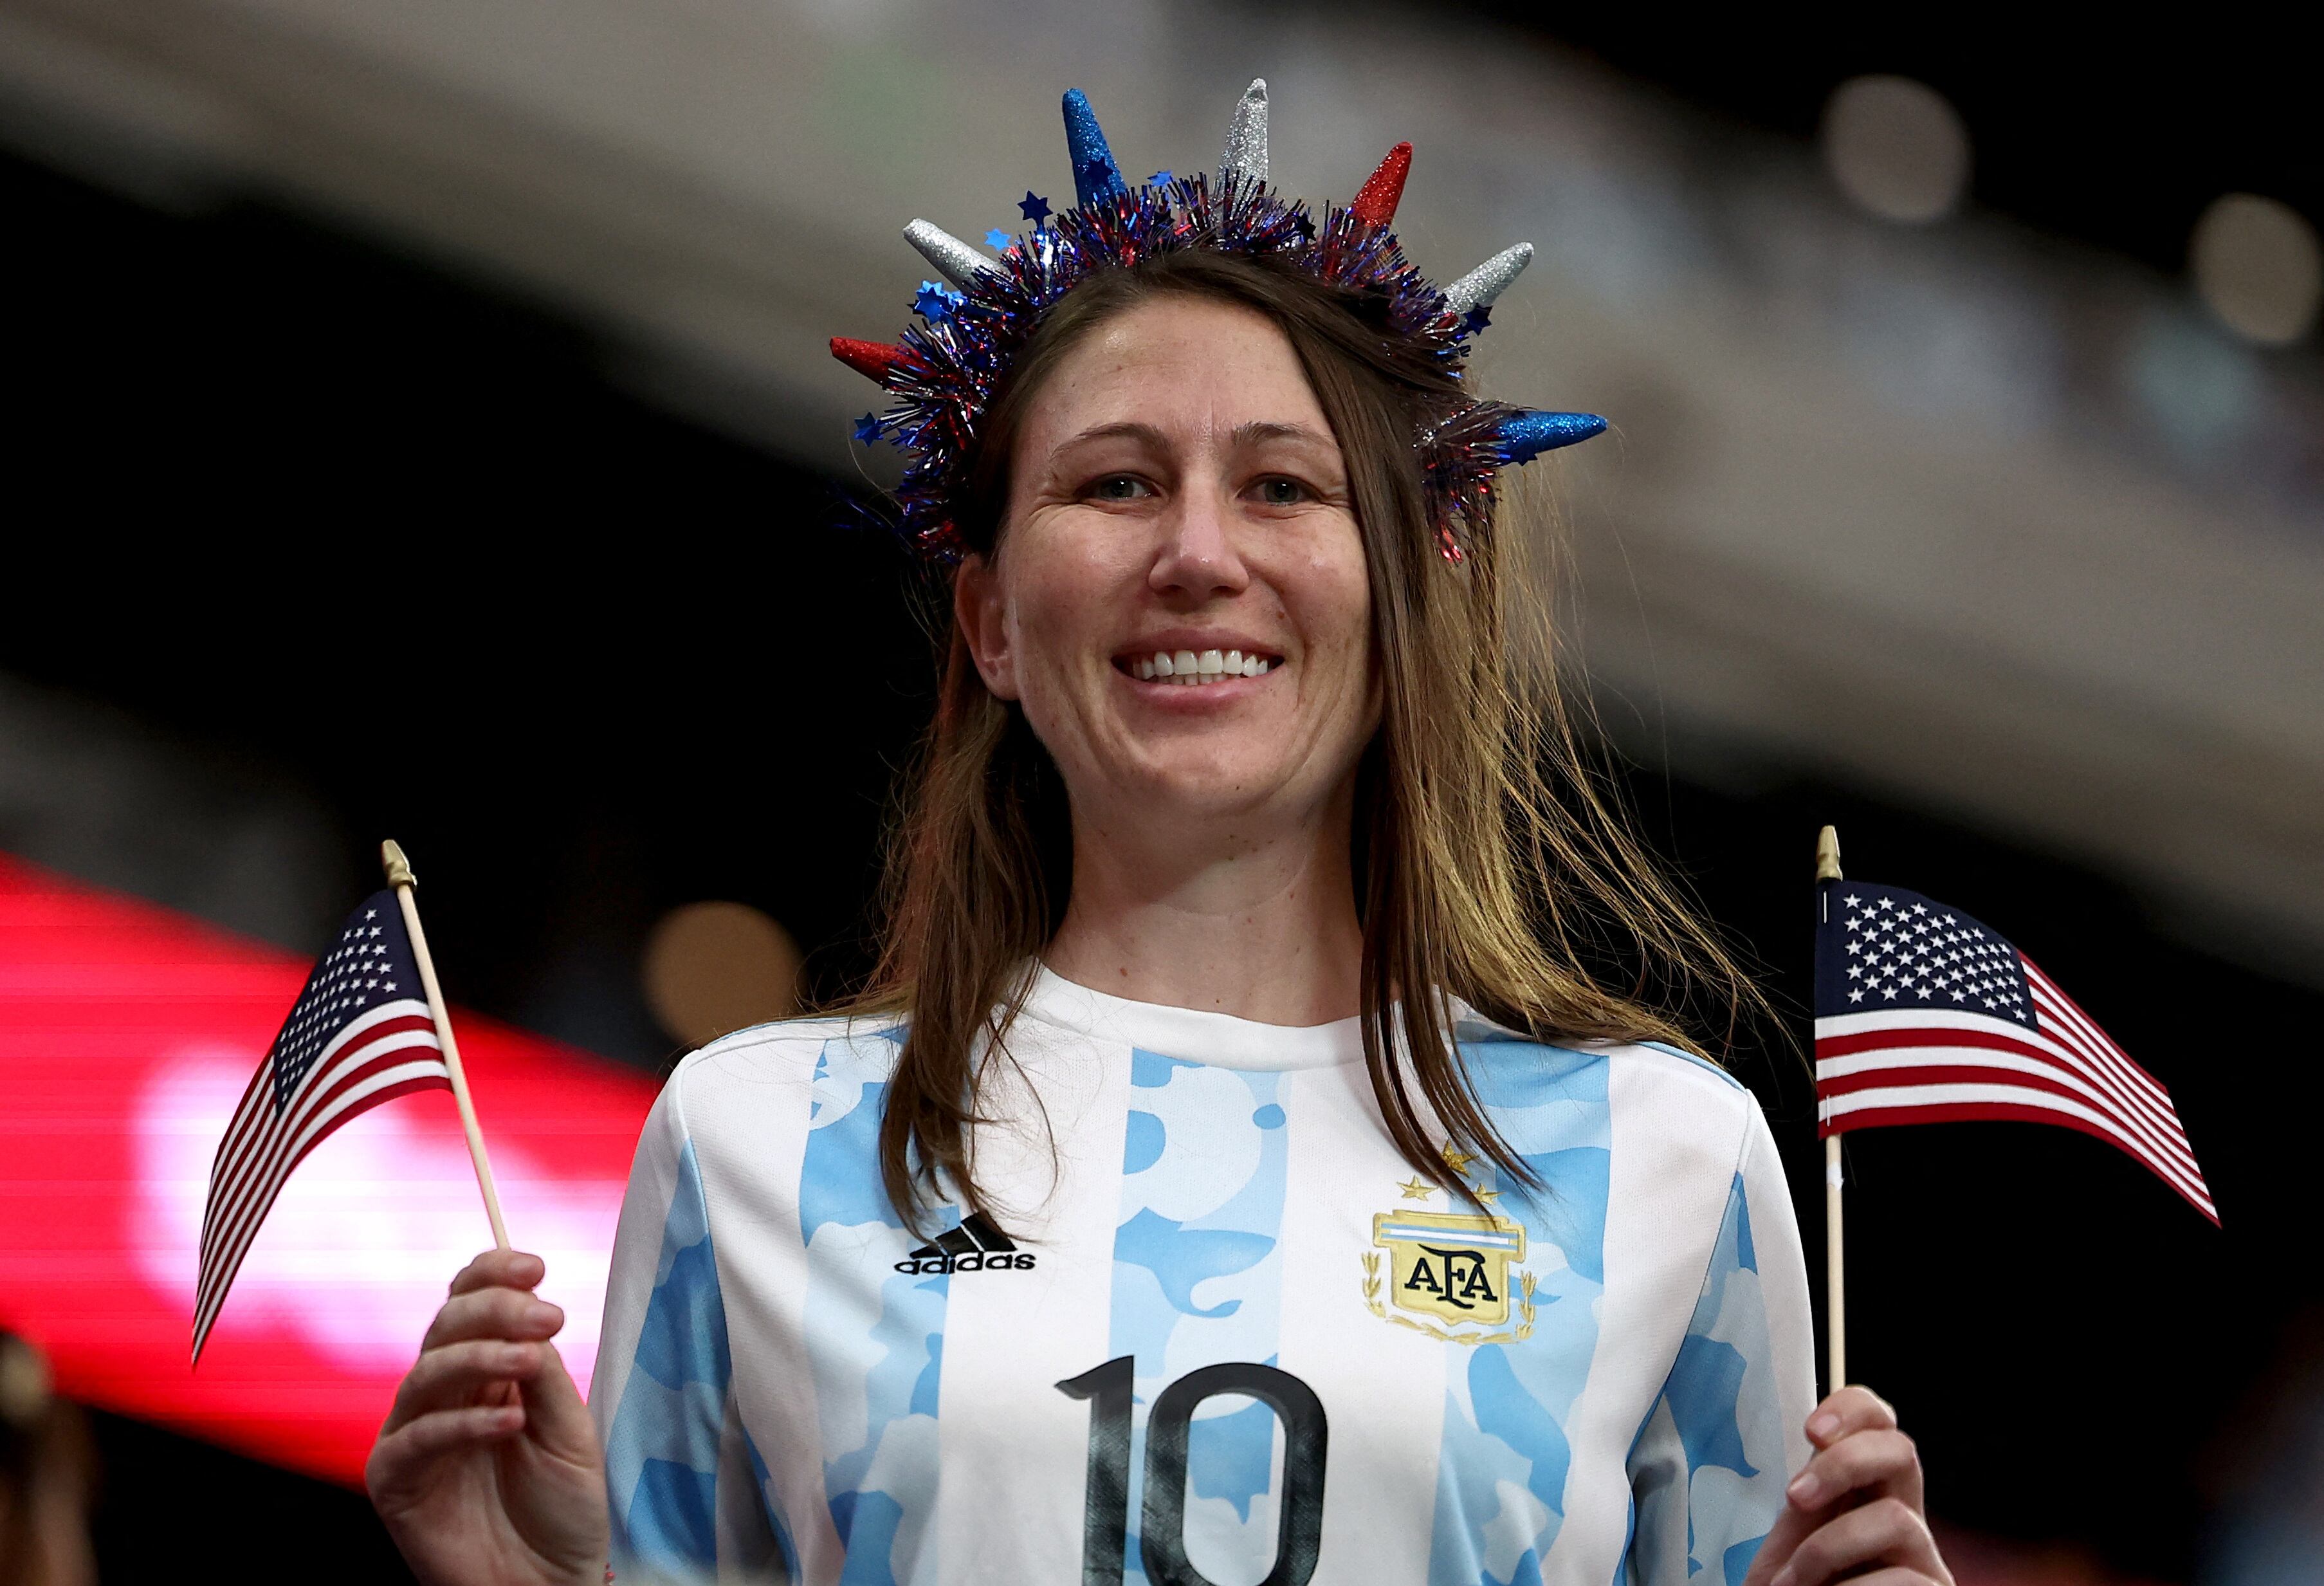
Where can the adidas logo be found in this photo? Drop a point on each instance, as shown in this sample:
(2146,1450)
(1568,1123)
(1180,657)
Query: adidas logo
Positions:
(975,1245)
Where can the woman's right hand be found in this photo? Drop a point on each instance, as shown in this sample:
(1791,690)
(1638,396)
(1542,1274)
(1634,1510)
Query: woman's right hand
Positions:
(487,1470)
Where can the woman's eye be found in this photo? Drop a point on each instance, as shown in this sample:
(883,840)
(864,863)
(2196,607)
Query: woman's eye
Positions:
(1281,492)
(1119,488)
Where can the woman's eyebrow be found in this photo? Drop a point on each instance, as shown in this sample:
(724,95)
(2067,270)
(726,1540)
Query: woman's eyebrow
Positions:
(1146,435)
(1260,429)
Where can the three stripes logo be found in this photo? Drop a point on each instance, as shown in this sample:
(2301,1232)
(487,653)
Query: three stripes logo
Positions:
(975,1245)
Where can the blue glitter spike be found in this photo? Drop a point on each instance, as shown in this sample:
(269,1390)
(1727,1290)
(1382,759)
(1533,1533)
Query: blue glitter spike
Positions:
(1527,434)
(867,428)
(1035,208)
(1095,175)
(997,240)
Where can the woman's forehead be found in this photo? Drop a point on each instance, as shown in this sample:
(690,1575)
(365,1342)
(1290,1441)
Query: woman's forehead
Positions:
(1180,365)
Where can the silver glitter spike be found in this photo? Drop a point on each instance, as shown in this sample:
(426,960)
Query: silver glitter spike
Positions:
(953,259)
(1488,281)
(1246,154)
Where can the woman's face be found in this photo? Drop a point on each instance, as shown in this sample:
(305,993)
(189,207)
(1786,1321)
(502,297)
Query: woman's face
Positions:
(1179,599)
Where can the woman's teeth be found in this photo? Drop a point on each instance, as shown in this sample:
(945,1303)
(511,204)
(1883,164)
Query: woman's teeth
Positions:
(1188,668)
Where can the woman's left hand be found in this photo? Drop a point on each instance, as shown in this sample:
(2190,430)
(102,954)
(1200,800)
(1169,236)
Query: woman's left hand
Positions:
(1855,1510)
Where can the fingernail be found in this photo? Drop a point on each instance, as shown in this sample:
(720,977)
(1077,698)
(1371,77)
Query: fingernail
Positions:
(1804,1491)
(1822,1425)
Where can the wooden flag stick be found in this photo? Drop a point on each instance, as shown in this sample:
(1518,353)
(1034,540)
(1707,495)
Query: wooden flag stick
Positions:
(400,876)
(1835,1288)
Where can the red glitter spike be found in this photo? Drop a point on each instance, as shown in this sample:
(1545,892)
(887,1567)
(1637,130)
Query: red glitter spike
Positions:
(870,359)
(1376,199)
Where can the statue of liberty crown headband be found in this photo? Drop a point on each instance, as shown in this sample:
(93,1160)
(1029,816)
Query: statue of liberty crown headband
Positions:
(974,323)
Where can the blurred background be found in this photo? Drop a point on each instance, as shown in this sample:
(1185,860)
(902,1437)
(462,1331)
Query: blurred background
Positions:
(419,423)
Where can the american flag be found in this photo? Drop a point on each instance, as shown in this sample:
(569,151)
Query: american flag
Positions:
(1923,1016)
(359,1034)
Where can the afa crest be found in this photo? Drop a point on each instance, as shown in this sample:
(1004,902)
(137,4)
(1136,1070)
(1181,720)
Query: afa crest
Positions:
(1446,1268)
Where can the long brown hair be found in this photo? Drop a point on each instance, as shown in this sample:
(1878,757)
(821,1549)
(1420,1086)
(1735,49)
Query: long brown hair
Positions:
(1492,863)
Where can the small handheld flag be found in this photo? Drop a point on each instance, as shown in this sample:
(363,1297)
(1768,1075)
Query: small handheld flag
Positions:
(1923,1014)
(369,1026)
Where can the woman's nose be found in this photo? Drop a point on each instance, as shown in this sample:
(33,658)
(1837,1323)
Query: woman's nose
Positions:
(1197,558)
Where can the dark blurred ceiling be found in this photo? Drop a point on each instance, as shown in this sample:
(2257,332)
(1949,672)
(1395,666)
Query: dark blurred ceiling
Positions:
(2116,133)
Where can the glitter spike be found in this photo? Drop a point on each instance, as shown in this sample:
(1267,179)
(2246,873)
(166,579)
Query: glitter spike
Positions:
(1383,190)
(1095,175)
(1488,281)
(953,259)
(1246,154)
(1528,432)
(870,359)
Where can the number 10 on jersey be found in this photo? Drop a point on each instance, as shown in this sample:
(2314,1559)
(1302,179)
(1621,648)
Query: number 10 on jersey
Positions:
(1162,1527)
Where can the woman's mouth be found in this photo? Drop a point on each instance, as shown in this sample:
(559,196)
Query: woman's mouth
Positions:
(1195,668)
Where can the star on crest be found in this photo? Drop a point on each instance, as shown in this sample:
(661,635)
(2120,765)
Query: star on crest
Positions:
(1457,1159)
(1416,1188)
(1488,1196)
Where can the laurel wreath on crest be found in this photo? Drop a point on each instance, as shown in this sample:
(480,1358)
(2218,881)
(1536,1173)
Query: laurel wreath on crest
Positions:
(1516,1335)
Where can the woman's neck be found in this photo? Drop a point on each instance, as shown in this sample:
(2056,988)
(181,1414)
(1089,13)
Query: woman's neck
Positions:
(1262,929)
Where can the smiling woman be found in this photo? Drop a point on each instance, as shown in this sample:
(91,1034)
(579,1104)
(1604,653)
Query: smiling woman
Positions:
(1170,447)
(1233,1172)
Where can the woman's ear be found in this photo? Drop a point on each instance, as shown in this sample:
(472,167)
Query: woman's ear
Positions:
(977,611)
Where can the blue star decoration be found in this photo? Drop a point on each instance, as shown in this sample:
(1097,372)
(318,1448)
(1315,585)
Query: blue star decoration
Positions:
(1303,226)
(934,301)
(1475,320)
(1035,208)
(998,240)
(1159,179)
(867,428)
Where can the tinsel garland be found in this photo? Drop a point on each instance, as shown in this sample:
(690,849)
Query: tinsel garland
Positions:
(956,357)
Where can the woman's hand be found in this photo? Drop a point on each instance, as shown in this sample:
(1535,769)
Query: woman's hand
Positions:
(487,1469)
(1855,1509)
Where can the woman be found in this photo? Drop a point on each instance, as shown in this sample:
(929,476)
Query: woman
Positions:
(1233,1172)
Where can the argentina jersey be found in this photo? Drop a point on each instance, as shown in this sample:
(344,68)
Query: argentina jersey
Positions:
(1211,1330)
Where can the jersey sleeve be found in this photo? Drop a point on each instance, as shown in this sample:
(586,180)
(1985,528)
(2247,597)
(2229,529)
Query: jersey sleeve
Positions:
(1726,1431)
(685,1489)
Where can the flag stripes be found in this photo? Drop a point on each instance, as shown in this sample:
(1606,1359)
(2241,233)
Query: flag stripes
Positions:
(1874,1070)
(395,1053)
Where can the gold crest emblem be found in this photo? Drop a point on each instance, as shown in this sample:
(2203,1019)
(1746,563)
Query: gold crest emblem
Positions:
(1445,1267)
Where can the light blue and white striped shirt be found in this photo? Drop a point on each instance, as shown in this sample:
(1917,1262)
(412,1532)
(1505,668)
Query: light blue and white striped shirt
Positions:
(1215,1331)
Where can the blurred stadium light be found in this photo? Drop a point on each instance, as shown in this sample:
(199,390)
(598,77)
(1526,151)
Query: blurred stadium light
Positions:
(2023,533)
(148,1028)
